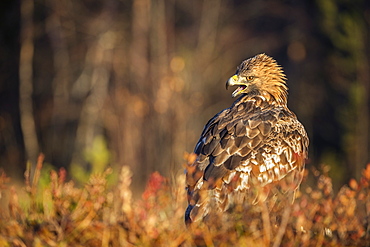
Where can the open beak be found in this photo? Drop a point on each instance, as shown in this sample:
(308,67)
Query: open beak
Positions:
(236,80)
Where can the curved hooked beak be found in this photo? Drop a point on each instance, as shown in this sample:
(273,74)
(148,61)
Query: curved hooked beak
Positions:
(239,81)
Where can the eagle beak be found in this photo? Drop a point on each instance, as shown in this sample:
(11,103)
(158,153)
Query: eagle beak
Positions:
(239,81)
(232,81)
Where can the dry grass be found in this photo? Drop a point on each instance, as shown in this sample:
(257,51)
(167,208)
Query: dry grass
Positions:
(62,214)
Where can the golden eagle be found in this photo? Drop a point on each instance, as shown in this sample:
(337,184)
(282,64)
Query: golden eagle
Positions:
(249,150)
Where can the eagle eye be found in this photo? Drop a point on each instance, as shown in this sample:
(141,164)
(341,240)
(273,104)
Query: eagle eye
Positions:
(250,78)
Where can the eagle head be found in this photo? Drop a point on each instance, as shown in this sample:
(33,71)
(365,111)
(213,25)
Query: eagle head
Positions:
(259,75)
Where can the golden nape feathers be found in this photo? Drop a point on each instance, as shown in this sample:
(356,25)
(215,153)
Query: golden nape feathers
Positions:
(250,149)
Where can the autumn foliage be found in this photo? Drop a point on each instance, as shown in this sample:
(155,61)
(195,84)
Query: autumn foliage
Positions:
(60,213)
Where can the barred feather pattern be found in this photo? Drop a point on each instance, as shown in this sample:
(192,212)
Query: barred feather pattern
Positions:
(247,150)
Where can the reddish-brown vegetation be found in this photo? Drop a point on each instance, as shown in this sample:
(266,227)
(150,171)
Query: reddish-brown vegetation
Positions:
(59,213)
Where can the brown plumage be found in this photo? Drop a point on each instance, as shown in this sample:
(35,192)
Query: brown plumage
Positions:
(250,149)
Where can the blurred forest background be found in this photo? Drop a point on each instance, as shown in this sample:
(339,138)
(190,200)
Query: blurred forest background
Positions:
(95,83)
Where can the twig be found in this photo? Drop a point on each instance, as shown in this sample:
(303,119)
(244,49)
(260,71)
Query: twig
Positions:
(266,223)
(284,223)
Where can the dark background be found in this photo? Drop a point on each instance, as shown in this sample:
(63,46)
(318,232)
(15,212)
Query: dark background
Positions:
(93,84)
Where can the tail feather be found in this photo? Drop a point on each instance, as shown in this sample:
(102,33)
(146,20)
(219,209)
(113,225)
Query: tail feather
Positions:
(187,214)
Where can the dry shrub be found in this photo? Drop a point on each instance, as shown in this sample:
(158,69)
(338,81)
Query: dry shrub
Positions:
(62,214)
